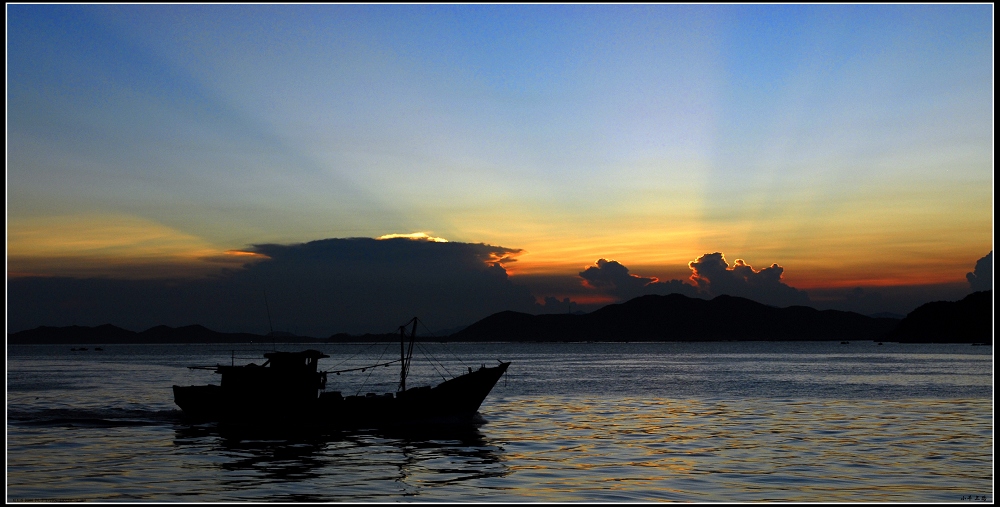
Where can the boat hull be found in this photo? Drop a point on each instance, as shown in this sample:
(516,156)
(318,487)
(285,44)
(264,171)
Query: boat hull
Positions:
(453,401)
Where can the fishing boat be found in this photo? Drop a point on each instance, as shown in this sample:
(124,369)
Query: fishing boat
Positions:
(289,388)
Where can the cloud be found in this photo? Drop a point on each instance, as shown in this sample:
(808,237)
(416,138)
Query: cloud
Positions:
(318,288)
(713,275)
(613,278)
(554,305)
(361,283)
(981,278)
(554,292)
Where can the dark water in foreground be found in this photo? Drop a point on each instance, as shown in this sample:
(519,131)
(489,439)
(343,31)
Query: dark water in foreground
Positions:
(570,422)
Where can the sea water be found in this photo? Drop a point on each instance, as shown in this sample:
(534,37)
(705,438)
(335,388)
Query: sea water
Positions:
(602,422)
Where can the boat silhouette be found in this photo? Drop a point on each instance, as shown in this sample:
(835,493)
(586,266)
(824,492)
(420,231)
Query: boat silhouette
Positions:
(289,389)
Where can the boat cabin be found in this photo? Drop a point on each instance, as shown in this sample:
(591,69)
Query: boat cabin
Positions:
(292,361)
(284,377)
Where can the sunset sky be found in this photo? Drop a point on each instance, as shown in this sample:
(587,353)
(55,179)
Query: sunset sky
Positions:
(850,145)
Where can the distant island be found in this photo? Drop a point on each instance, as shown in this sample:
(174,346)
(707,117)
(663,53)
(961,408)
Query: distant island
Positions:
(675,317)
(964,321)
(669,318)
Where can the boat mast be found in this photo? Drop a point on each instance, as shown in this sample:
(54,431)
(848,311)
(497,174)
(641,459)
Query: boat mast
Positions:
(269,326)
(405,355)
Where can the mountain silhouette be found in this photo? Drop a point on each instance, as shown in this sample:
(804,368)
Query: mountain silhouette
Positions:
(675,317)
(969,320)
(105,333)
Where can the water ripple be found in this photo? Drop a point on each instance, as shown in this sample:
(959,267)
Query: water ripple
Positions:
(579,422)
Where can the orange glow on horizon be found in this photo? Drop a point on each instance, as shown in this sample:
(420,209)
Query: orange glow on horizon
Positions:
(899,281)
(111,245)
(802,274)
(581,299)
(244,253)
(803,278)
(135,247)
(418,236)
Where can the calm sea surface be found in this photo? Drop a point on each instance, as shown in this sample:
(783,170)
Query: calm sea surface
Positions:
(597,422)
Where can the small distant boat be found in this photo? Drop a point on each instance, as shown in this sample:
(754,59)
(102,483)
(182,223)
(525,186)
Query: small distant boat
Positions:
(880,343)
(844,343)
(289,388)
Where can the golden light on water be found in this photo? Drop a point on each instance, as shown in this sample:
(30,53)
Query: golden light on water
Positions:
(668,447)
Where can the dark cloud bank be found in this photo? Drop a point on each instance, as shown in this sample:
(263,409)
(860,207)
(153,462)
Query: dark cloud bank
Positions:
(359,285)
(351,285)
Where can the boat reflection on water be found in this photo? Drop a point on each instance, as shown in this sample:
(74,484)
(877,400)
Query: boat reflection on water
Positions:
(340,465)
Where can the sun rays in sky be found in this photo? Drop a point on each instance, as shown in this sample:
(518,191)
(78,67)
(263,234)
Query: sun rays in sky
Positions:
(851,144)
